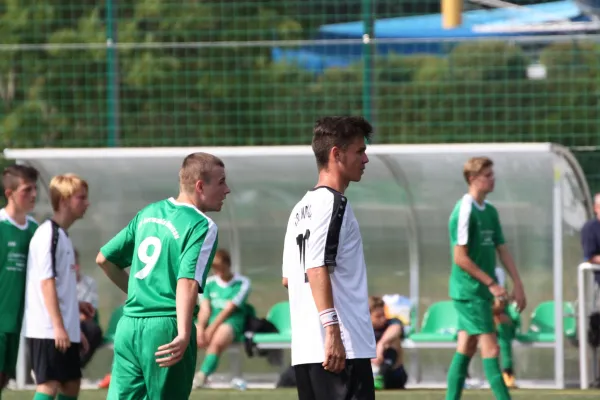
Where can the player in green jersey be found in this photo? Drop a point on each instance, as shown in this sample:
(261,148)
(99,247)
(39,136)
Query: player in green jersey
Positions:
(475,238)
(223,310)
(16,230)
(170,246)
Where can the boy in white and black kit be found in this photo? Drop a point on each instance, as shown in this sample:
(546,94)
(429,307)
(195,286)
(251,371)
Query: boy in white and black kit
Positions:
(325,272)
(52,328)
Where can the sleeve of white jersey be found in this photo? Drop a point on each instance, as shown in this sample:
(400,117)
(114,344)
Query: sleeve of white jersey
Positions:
(40,262)
(324,232)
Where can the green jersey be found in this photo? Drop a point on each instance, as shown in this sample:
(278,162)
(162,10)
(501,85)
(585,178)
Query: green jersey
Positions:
(13,270)
(220,293)
(165,241)
(477,227)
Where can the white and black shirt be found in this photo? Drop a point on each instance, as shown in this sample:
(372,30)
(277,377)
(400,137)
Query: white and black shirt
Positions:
(323,231)
(51,255)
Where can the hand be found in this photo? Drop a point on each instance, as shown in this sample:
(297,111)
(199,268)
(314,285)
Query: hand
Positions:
(379,350)
(499,306)
(335,354)
(170,354)
(61,339)
(85,345)
(519,296)
(498,291)
(201,341)
(209,333)
(87,309)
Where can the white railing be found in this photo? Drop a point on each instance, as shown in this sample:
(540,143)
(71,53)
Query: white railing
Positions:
(583,290)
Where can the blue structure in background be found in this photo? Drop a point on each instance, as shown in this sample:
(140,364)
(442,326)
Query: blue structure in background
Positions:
(410,30)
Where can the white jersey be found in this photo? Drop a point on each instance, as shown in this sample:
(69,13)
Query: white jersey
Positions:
(323,231)
(51,255)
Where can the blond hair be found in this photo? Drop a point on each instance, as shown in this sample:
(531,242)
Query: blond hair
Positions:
(64,186)
(474,166)
(196,167)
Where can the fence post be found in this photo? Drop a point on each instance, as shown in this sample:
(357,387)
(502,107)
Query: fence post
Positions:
(112,81)
(368,17)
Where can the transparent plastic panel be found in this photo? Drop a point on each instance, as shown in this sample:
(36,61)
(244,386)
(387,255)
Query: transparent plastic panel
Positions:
(396,192)
(255,214)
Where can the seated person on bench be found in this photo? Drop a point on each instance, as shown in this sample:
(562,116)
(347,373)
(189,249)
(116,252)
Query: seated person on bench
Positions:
(222,314)
(388,370)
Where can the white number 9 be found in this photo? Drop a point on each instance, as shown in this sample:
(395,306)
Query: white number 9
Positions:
(148,259)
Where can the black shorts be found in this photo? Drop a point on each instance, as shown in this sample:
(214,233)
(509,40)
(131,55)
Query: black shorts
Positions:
(355,382)
(49,364)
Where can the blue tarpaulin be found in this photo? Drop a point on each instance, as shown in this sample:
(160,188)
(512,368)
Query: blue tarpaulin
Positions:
(419,34)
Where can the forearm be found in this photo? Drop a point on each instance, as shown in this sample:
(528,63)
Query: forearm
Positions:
(393,332)
(185,299)
(117,275)
(320,285)
(48,287)
(508,262)
(466,264)
(204,314)
(224,314)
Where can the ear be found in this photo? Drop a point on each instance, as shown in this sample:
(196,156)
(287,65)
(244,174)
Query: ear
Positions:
(335,153)
(7,193)
(199,186)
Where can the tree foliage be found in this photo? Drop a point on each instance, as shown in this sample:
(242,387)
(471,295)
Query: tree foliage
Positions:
(207,94)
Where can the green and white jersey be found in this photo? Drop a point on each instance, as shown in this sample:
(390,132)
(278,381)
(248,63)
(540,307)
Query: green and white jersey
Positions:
(220,293)
(13,270)
(165,241)
(478,227)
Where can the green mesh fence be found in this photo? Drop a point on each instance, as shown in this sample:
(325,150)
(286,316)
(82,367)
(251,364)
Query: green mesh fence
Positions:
(170,73)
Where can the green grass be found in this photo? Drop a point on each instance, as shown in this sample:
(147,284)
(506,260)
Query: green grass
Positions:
(286,394)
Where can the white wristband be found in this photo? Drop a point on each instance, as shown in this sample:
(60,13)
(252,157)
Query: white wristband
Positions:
(328,317)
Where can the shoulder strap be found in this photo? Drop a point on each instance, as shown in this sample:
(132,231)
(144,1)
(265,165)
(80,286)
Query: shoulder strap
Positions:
(54,245)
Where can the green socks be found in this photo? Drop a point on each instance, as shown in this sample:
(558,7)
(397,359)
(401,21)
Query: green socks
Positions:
(506,334)
(494,377)
(457,373)
(63,397)
(210,363)
(42,396)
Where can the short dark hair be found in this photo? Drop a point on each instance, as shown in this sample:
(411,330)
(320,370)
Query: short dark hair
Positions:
(12,175)
(337,131)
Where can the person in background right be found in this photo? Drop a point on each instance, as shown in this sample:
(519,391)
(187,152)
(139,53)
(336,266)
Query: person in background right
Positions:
(388,368)
(590,238)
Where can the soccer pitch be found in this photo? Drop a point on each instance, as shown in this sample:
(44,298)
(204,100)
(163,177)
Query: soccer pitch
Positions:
(286,394)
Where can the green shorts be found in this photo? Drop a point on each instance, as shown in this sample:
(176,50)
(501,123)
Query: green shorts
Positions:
(475,316)
(237,325)
(135,373)
(9,351)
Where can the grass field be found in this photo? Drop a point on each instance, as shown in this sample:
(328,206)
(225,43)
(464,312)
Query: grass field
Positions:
(285,394)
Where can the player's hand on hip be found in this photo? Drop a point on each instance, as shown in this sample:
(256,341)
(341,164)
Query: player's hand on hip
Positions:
(61,339)
(170,354)
(335,354)
(498,292)
(519,296)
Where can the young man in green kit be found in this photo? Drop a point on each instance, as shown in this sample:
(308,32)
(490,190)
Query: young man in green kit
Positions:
(170,246)
(16,230)
(475,238)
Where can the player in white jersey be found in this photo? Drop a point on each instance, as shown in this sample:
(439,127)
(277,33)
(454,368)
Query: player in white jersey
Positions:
(325,272)
(52,309)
